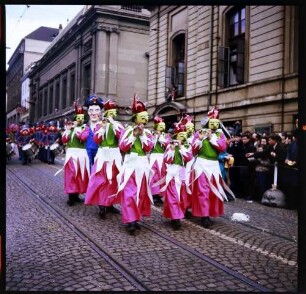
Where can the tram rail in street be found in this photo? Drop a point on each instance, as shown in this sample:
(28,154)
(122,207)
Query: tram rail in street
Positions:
(121,266)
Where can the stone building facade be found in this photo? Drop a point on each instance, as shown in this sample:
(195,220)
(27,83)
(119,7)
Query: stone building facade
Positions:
(30,49)
(103,50)
(243,59)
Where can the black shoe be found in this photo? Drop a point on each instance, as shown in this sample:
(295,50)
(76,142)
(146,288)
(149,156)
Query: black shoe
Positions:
(102,212)
(137,226)
(131,228)
(176,224)
(112,209)
(206,222)
(77,199)
(157,200)
(188,214)
(70,201)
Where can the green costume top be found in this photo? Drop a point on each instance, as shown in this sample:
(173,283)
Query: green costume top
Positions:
(207,150)
(110,139)
(74,142)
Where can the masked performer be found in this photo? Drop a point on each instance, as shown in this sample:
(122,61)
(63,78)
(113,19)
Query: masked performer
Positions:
(103,183)
(94,106)
(178,152)
(157,157)
(207,191)
(136,143)
(76,166)
(187,120)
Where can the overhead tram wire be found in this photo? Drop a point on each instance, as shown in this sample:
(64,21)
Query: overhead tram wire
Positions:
(26,8)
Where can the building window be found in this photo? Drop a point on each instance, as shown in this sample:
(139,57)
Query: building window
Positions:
(72,88)
(86,81)
(175,74)
(296,41)
(57,96)
(40,104)
(231,58)
(263,129)
(45,104)
(50,110)
(87,46)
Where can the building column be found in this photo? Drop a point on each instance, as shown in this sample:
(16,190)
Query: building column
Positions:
(68,97)
(78,77)
(113,63)
(102,62)
(93,63)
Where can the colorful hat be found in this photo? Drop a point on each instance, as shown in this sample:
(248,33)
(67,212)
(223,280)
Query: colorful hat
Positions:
(138,106)
(52,128)
(77,108)
(109,104)
(213,113)
(25,127)
(14,128)
(157,119)
(93,99)
(179,127)
(186,119)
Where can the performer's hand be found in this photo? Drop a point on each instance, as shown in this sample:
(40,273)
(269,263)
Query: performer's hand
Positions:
(208,134)
(69,126)
(201,134)
(141,128)
(172,145)
(103,123)
(75,124)
(138,129)
(136,132)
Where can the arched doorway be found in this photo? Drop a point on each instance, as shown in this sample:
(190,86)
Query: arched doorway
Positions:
(171,112)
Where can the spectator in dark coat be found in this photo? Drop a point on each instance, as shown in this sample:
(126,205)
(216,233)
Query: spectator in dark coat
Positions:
(276,150)
(247,170)
(292,152)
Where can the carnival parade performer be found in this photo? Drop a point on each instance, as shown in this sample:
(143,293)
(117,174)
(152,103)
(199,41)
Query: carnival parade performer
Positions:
(76,165)
(94,105)
(187,120)
(103,183)
(53,136)
(38,135)
(13,133)
(44,143)
(177,153)
(25,137)
(157,157)
(136,143)
(208,186)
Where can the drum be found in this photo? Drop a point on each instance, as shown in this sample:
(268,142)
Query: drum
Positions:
(30,150)
(55,148)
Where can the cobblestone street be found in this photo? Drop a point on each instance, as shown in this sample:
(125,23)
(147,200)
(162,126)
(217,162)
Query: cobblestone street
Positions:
(53,247)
